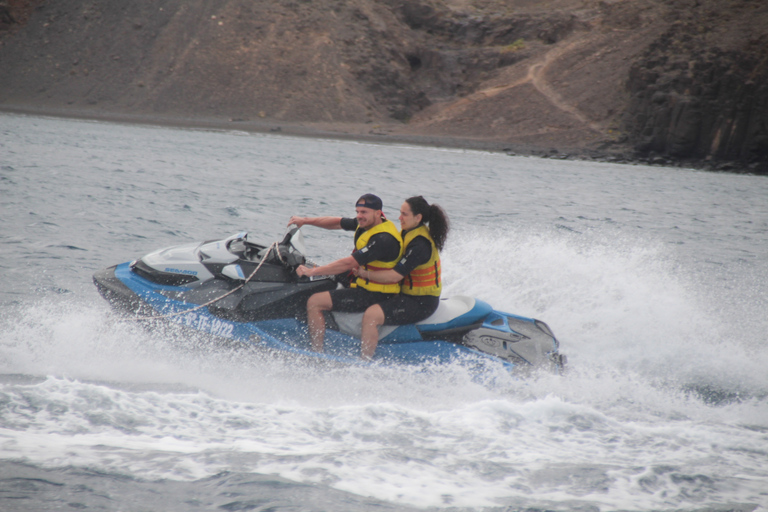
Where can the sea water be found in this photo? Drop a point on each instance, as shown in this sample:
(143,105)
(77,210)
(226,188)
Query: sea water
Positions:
(655,281)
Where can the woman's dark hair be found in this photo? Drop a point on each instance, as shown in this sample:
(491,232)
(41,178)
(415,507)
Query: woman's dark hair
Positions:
(432,215)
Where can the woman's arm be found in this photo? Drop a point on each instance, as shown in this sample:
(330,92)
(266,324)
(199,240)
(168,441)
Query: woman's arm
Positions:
(379,276)
(417,253)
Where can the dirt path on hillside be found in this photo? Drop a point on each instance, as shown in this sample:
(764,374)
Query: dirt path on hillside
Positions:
(536,76)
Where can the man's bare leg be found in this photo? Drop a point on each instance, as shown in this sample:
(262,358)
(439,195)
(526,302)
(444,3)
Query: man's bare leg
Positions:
(372,319)
(316,305)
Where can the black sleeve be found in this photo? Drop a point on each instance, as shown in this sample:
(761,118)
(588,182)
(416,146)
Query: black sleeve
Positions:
(348,224)
(381,247)
(417,253)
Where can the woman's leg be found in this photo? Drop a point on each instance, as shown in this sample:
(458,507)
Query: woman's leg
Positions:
(398,310)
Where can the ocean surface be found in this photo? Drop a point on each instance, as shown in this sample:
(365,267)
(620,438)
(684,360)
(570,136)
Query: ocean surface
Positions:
(655,281)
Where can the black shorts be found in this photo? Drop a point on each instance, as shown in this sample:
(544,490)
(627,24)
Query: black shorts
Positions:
(355,300)
(408,309)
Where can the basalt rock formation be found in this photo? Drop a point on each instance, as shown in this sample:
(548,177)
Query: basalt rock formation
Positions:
(700,91)
(666,81)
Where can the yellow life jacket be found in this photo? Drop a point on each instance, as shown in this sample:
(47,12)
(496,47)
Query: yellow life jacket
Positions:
(361,240)
(426,279)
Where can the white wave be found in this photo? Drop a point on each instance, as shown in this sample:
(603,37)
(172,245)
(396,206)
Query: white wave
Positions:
(616,303)
(487,452)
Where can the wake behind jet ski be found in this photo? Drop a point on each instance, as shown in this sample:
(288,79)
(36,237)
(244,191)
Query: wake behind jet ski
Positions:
(241,290)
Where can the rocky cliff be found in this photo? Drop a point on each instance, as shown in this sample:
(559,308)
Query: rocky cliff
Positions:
(700,90)
(654,80)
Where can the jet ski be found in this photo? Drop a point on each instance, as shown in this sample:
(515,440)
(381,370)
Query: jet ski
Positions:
(243,291)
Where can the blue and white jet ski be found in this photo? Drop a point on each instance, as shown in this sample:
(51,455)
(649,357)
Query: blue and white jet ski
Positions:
(248,292)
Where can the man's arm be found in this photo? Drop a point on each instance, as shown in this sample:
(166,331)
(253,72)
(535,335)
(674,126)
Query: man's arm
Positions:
(320,222)
(331,269)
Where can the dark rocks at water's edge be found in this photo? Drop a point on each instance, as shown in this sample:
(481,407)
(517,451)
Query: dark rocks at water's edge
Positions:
(629,157)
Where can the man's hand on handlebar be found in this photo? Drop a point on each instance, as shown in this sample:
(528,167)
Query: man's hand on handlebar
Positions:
(299,221)
(303,270)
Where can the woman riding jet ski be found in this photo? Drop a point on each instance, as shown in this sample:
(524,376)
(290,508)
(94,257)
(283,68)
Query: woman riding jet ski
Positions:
(240,290)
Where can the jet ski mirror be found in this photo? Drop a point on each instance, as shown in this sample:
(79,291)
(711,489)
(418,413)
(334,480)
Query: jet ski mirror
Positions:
(292,229)
(292,248)
(297,241)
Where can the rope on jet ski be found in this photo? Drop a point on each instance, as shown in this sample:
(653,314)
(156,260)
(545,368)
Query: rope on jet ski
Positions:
(230,292)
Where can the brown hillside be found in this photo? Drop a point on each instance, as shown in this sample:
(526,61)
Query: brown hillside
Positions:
(681,79)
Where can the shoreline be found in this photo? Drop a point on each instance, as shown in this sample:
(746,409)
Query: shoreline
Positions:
(336,131)
(382,134)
